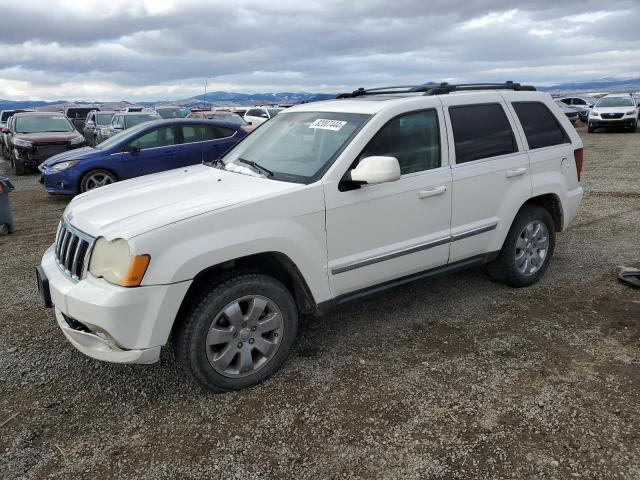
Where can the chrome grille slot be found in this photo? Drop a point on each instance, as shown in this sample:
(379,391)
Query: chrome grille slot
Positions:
(72,251)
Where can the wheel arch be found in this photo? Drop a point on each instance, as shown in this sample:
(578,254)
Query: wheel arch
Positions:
(551,203)
(275,264)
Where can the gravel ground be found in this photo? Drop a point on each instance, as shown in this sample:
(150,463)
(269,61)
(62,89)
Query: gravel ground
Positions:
(451,378)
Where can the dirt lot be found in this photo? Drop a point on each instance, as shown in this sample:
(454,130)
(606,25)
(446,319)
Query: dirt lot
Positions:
(452,378)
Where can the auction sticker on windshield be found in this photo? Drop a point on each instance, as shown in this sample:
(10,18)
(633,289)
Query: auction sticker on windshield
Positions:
(325,124)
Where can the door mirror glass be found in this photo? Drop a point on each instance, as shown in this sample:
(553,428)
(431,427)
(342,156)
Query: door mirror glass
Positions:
(373,170)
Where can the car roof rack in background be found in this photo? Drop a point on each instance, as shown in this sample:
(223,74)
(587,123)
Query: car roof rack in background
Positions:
(440,89)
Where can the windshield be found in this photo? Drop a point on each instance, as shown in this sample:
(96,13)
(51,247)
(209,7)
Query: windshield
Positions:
(120,137)
(6,115)
(172,112)
(274,111)
(104,118)
(131,120)
(231,118)
(616,102)
(296,146)
(36,124)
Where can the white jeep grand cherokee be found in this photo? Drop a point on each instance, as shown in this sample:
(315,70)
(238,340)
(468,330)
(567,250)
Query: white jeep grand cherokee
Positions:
(325,203)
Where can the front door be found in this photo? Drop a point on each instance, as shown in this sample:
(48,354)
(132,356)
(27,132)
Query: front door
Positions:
(378,233)
(155,151)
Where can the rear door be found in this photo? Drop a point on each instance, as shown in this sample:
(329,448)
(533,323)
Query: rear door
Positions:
(490,170)
(157,152)
(217,141)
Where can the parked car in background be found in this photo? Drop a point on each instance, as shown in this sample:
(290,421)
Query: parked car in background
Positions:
(96,124)
(258,115)
(614,110)
(78,115)
(5,115)
(223,117)
(143,149)
(571,113)
(133,109)
(582,103)
(36,136)
(169,111)
(326,203)
(124,120)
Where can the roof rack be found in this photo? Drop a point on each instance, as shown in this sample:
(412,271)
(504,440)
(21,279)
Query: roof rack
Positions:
(439,89)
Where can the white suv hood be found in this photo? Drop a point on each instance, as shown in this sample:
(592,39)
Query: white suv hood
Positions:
(132,207)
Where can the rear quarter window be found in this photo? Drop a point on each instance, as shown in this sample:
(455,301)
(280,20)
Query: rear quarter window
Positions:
(540,125)
(481,131)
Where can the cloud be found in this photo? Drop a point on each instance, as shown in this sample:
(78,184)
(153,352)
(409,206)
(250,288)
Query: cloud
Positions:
(163,49)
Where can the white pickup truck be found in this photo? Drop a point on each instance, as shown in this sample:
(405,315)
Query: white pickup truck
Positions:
(326,202)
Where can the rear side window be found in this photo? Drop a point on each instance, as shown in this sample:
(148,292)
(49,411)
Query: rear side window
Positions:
(540,125)
(481,131)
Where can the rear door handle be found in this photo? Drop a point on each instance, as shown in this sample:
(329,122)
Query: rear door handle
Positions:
(433,192)
(517,172)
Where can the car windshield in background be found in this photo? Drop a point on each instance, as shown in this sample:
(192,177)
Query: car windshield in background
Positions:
(120,137)
(131,120)
(591,100)
(616,102)
(78,112)
(274,111)
(172,112)
(296,146)
(5,116)
(48,123)
(231,118)
(104,118)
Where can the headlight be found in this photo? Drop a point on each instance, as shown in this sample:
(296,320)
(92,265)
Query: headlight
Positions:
(18,142)
(112,261)
(632,112)
(594,113)
(57,167)
(77,141)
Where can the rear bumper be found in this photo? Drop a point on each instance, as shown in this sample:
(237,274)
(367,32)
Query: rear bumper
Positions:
(571,205)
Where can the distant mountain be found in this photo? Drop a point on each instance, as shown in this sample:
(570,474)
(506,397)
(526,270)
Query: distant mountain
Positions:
(219,98)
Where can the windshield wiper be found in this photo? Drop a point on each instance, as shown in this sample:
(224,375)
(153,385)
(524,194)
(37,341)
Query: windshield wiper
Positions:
(256,167)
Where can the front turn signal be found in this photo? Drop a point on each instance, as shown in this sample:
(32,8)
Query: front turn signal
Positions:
(137,268)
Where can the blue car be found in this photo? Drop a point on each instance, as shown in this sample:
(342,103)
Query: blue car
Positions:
(149,147)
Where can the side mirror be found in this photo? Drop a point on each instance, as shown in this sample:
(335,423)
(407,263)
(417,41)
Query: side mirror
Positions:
(5,130)
(132,149)
(373,170)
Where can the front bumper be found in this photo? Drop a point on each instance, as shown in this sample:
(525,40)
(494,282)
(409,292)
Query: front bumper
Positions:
(615,122)
(123,325)
(59,183)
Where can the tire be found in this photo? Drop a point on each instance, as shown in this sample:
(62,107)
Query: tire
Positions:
(19,167)
(590,129)
(634,127)
(218,367)
(95,179)
(518,251)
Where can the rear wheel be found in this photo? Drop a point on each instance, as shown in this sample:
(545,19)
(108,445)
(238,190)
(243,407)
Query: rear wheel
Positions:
(96,179)
(527,250)
(238,333)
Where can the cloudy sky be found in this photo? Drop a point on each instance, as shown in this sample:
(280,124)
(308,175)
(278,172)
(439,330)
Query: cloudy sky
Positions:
(165,49)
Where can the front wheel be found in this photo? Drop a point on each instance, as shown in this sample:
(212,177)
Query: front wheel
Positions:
(527,250)
(96,179)
(237,334)
(19,166)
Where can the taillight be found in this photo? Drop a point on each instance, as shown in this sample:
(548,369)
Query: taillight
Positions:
(578,154)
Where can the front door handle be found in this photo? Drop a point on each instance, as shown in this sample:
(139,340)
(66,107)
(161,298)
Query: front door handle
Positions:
(433,192)
(517,172)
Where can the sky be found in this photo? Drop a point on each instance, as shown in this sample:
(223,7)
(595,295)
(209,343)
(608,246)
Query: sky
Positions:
(112,50)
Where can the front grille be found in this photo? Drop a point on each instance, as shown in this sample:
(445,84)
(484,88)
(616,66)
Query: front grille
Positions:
(72,251)
(612,115)
(45,151)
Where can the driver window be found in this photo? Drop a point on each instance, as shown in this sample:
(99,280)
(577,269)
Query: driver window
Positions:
(413,139)
(160,137)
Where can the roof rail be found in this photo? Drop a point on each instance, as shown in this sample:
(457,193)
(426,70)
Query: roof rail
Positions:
(439,89)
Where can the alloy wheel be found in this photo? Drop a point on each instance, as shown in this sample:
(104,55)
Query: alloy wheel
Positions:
(532,247)
(244,336)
